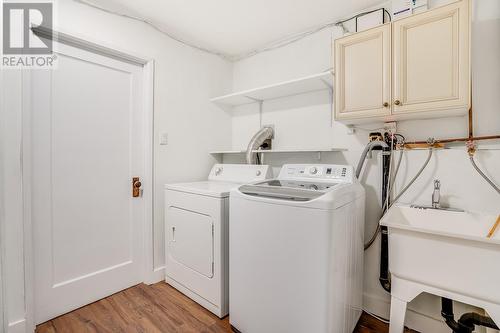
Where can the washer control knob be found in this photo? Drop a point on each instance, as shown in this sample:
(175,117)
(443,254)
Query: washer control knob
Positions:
(218,171)
(313,170)
(258,173)
(313,187)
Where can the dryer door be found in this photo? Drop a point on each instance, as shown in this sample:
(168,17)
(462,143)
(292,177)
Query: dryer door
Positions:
(191,239)
(195,239)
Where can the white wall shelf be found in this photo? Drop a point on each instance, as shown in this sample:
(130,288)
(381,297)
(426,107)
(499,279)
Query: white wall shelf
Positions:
(316,82)
(271,151)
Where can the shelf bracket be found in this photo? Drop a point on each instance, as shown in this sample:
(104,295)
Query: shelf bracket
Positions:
(261,107)
(254,99)
(332,101)
(327,84)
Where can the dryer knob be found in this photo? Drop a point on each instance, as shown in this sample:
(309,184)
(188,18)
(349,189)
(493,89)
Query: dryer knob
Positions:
(218,171)
(258,173)
(313,170)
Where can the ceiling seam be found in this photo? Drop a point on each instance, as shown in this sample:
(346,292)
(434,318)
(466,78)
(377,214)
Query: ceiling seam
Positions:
(234,58)
(154,26)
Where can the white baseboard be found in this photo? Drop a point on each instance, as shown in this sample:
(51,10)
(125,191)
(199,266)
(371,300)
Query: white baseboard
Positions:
(17,326)
(156,276)
(414,320)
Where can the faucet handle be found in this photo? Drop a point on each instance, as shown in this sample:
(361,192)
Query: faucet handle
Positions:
(437,184)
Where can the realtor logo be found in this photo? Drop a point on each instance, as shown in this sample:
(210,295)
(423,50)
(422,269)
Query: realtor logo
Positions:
(21,46)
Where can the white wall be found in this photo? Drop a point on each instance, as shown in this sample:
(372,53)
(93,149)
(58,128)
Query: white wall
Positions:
(302,125)
(185,79)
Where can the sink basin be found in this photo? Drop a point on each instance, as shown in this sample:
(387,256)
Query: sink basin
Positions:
(445,250)
(455,224)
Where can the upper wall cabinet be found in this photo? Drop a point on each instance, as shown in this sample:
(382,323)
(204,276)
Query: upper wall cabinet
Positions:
(431,60)
(363,74)
(429,54)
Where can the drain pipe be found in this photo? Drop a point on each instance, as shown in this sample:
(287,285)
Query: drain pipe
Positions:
(384,245)
(467,322)
(384,277)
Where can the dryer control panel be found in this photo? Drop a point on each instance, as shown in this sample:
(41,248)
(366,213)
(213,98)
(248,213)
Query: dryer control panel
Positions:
(324,172)
(239,173)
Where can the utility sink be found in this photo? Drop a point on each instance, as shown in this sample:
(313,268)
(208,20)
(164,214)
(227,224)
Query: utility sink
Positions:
(442,222)
(445,253)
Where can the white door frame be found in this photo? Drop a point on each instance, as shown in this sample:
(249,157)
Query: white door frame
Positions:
(3,311)
(81,42)
(3,303)
(4,319)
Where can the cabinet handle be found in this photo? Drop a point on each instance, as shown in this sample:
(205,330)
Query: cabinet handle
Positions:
(397,102)
(386,104)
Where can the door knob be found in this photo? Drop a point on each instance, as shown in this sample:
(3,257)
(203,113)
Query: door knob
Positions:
(136,187)
(386,104)
(397,102)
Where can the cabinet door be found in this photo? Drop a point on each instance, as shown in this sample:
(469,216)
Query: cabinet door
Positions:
(431,62)
(363,74)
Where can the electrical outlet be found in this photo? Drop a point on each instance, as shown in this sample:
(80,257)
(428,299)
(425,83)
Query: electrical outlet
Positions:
(163,138)
(351,129)
(390,127)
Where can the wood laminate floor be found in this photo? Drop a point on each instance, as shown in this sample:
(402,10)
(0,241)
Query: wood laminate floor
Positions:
(156,308)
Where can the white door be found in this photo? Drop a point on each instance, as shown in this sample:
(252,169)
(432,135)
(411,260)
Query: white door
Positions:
(363,74)
(431,61)
(87,144)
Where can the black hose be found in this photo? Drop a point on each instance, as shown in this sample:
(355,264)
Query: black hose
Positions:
(472,318)
(449,317)
(384,278)
(467,322)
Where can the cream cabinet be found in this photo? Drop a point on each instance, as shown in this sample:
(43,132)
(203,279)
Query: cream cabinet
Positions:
(363,74)
(413,68)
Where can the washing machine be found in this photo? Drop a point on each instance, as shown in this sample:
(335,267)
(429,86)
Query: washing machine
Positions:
(296,252)
(196,233)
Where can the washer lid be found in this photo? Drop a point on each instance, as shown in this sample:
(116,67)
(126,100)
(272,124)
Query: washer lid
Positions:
(208,188)
(294,190)
(292,194)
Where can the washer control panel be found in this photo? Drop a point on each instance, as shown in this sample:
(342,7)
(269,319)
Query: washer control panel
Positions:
(337,173)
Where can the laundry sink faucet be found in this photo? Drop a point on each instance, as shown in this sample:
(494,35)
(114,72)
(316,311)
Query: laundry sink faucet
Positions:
(436,194)
(436,200)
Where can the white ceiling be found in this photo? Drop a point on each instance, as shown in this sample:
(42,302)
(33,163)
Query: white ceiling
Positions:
(235,27)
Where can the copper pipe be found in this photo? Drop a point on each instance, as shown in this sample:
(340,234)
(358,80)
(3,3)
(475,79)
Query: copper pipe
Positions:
(477,138)
(471,91)
(470,138)
(471,125)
